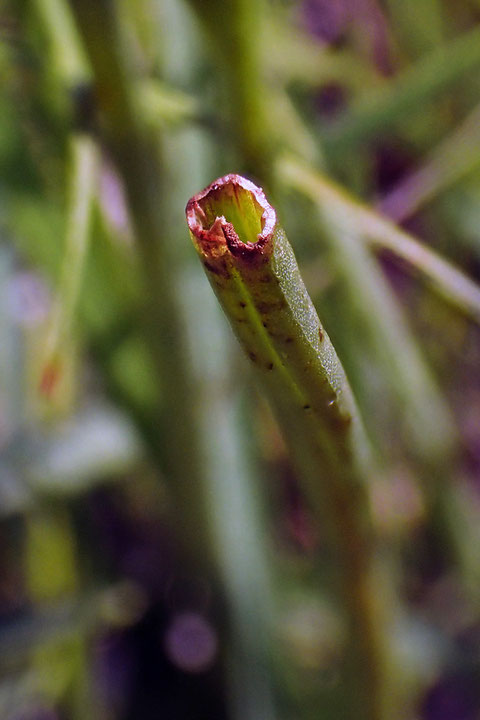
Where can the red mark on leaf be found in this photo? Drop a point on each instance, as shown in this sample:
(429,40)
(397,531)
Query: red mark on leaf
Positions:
(50,378)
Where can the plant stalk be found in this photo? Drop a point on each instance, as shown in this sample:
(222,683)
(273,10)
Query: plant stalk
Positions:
(381,234)
(83,181)
(194,459)
(417,409)
(254,274)
(135,149)
(238,44)
(377,110)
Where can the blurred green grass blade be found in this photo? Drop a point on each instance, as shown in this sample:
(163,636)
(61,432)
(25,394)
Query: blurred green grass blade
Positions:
(83,167)
(384,335)
(164,105)
(376,112)
(66,52)
(135,149)
(379,332)
(450,161)
(294,57)
(289,130)
(440,275)
(238,47)
(381,234)
(158,101)
(417,24)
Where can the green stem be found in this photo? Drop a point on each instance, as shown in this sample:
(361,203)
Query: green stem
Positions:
(234,509)
(135,149)
(66,52)
(439,274)
(82,187)
(235,30)
(428,30)
(385,342)
(376,111)
(254,274)
(418,409)
(195,462)
(381,234)
(454,158)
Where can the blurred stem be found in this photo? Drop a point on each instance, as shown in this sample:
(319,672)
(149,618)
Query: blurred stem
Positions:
(430,434)
(61,662)
(418,403)
(426,33)
(194,471)
(235,30)
(160,103)
(134,147)
(450,161)
(231,477)
(66,52)
(377,111)
(258,284)
(165,105)
(381,234)
(292,55)
(82,171)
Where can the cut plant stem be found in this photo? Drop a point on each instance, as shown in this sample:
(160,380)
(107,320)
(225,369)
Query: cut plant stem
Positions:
(254,274)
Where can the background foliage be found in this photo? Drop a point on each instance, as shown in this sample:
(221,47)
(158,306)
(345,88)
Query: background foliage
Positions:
(158,558)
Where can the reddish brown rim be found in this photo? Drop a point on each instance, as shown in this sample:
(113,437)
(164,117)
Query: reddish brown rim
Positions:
(223,232)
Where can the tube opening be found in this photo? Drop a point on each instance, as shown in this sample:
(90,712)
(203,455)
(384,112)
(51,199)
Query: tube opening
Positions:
(232,203)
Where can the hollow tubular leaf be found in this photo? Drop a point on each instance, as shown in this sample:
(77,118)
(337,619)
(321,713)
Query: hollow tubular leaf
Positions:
(254,274)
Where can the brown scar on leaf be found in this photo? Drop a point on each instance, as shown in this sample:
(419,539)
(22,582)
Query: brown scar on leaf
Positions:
(50,378)
(264,308)
(340,423)
(219,269)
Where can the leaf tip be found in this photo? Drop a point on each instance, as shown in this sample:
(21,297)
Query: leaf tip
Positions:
(231,215)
